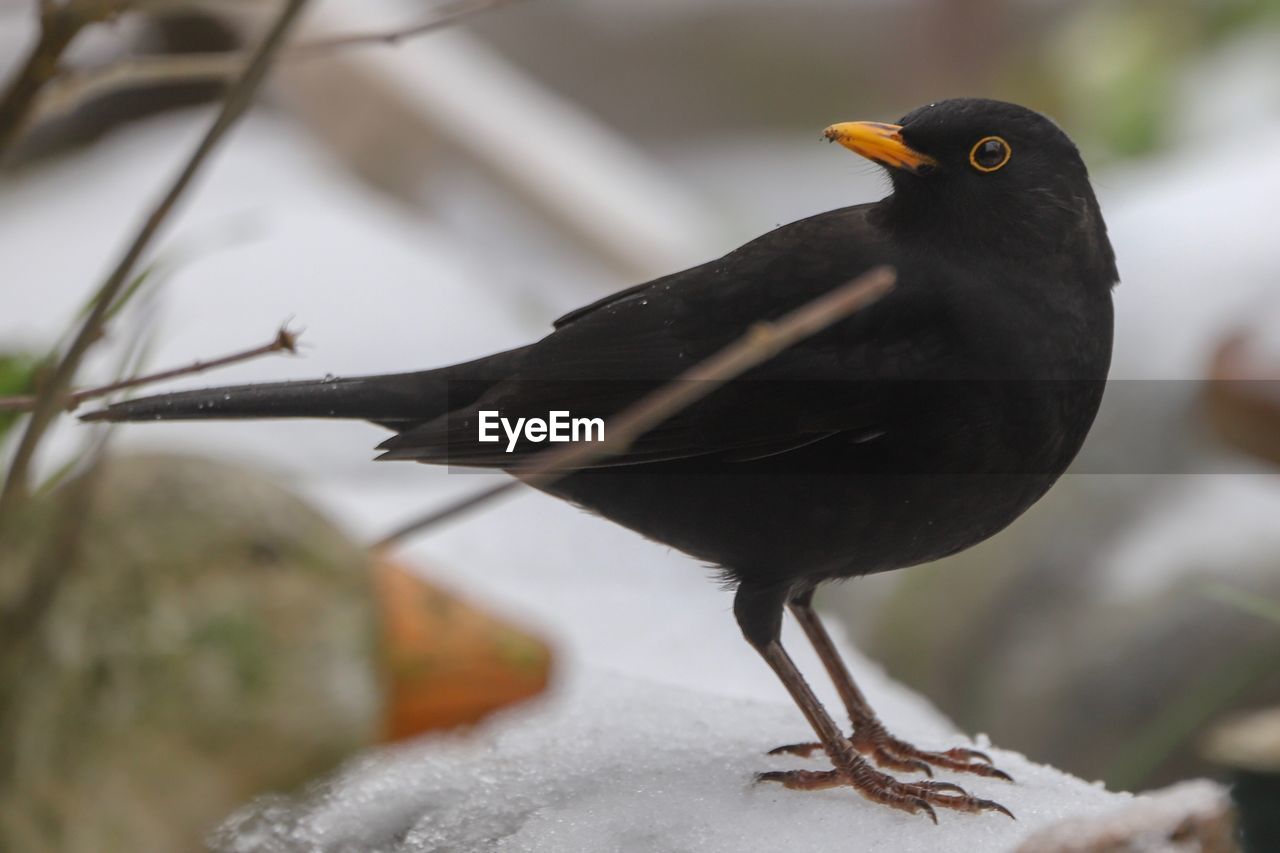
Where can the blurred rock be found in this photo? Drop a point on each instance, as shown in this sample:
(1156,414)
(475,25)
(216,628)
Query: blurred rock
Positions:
(208,637)
(1192,817)
(1248,746)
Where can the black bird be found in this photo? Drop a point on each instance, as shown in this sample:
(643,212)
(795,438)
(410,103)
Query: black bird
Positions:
(909,431)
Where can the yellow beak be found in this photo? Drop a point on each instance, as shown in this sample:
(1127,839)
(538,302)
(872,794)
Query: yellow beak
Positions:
(881,143)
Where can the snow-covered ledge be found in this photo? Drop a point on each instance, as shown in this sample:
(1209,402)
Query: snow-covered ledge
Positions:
(658,719)
(618,763)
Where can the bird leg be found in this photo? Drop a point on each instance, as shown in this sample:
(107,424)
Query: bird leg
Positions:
(759,613)
(870,737)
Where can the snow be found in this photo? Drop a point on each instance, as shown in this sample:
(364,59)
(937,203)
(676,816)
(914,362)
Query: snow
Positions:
(658,718)
(620,763)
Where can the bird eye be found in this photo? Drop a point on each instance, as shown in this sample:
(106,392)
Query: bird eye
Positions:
(989,154)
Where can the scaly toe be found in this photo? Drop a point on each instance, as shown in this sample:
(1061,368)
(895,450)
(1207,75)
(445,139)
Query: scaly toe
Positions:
(960,800)
(884,758)
(985,770)
(923,797)
(942,787)
(804,780)
(959,760)
(968,755)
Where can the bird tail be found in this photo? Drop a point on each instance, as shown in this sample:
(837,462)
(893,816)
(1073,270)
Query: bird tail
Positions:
(393,400)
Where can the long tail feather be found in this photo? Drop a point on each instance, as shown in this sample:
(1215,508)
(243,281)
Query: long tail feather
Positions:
(395,400)
(389,398)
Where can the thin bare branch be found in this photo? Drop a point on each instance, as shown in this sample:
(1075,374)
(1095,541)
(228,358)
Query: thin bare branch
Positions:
(59,24)
(284,341)
(762,342)
(56,33)
(69,90)
(234,105)
(445,15)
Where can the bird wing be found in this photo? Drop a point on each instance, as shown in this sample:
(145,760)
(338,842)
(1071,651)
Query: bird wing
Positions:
(606,356)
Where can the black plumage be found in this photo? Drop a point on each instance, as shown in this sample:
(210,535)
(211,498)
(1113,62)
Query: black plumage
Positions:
(911,430)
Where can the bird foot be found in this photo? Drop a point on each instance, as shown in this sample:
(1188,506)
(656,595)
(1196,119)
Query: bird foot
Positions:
(888,751)
(911,797)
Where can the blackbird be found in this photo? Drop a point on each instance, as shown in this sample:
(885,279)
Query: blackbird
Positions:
(911,430)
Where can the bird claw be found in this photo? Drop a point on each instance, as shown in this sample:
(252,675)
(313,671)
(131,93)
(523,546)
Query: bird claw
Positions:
(881,744)
(911,797)
(943,787)
(884,758)
(992,805)
(888,751)
(971,755)
(804,750)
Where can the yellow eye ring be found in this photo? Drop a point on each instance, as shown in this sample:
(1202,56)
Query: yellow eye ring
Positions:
(982,149)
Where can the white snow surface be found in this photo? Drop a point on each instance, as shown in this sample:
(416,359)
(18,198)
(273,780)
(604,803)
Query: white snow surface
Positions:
(658,718)
(618,763)
(660,713)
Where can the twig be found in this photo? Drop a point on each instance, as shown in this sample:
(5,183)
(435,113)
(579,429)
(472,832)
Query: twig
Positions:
(761,342)
(60,23)
(446,15)
(233,106)
(58,27)
(68,91)
(284,341)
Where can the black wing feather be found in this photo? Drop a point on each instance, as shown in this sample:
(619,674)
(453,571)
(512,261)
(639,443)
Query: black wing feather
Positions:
(606,356)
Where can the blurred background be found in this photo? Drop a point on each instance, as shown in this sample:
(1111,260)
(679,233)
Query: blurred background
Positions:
(447,195)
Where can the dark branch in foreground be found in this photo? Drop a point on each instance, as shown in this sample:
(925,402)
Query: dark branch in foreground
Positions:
(233,107)
(762,342)
(284,341)
(59,25)
(68,91)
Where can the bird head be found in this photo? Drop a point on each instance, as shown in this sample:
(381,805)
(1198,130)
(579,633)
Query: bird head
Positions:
(985,171)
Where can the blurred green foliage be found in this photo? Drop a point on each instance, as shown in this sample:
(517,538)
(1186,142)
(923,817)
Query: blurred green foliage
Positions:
(1224,18)
(1118,66)
(17,377)
(1244,601)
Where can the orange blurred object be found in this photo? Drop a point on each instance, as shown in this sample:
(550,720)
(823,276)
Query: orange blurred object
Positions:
(447,663)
